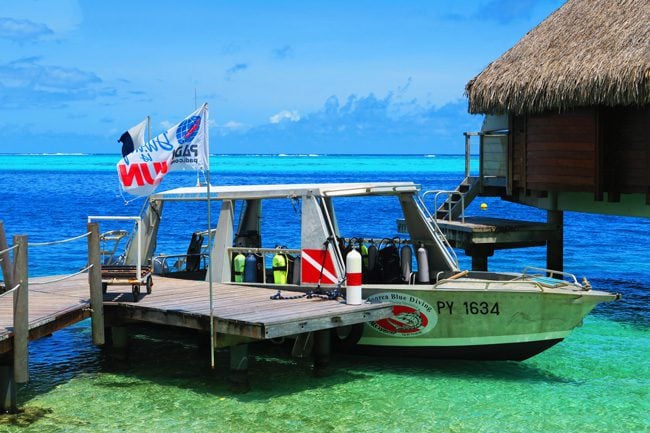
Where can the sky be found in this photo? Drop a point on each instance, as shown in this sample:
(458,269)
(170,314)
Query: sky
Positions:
(361,77)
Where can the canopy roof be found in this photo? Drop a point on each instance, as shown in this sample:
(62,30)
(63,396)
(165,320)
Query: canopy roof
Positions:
(248,192)
(587,53)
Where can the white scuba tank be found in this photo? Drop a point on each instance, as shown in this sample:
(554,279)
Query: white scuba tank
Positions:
(406,259)
(423,265)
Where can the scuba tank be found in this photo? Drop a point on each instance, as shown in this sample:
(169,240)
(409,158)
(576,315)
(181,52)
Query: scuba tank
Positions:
(423,265)
(296,271)
(280,268)
(363,250)
(406,258)
(239,262)
(250,269)
(369,277)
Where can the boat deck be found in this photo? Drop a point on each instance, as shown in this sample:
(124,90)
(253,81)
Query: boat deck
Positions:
(238,310)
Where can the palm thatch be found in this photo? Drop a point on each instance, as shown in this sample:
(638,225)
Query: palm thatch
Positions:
(587,53)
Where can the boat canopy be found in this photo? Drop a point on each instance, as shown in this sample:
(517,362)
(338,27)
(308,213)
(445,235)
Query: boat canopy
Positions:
(252,192)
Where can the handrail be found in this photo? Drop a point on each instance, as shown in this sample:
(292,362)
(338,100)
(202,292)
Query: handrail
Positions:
(450,195)
(436,230)
(62,241)
(550,272)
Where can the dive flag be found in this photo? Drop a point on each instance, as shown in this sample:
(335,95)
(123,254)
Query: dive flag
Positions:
(184,146)
(133,138)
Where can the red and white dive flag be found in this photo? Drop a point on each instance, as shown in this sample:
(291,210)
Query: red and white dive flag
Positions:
(184,146)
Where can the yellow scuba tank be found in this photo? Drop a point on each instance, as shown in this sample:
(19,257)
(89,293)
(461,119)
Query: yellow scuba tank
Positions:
(280,268)
(363,249)
(239,262)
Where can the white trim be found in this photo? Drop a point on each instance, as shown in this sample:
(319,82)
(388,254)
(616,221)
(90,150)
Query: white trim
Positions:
(462,341)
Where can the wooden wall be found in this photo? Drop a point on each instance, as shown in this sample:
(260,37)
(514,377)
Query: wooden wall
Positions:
(585,150)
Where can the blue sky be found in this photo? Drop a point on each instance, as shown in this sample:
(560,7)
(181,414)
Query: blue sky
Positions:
(280,77)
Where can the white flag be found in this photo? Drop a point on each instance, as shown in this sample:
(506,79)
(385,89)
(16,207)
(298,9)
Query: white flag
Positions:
(184,146)
(133,138)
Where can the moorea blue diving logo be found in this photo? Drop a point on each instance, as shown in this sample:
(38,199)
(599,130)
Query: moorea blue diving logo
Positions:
(188,129)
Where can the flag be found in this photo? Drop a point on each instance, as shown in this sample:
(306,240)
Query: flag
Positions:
(133,138)
(184,146)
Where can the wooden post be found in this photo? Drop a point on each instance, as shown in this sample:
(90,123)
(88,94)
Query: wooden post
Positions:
(95,283)
(322,350)
(238,375)
(8,401)
(21,311)
(479,254)
(5,263)
(555,243)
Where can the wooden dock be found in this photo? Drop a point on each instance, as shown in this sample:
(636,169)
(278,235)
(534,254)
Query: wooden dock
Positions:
(241,313)
(239,310)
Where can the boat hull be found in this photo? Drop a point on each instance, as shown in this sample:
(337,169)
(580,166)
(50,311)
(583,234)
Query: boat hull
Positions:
(463,323)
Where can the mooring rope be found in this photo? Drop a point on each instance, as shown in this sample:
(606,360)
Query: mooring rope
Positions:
(9,249)
(9,291)
(65,277)
(42,244)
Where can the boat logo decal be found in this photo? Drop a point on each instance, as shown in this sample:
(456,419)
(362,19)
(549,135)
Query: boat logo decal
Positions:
(188,129)
(412,316)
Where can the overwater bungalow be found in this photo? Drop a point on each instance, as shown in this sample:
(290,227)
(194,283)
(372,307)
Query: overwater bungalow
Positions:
(567,114)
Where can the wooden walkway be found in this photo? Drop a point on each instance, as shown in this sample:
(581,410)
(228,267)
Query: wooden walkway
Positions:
(238,310)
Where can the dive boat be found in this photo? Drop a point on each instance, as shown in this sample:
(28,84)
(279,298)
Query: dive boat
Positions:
(300,243)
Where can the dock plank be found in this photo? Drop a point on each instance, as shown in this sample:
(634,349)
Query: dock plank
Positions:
(238,309)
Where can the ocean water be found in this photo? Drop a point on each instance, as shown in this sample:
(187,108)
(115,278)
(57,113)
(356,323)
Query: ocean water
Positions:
(596,380)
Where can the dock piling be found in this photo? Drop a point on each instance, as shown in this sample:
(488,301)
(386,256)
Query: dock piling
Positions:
(95,283)
(238,375)
(21,311)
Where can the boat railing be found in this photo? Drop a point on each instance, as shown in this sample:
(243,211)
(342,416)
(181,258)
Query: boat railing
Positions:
(450,195)
(539,281)
(548,275)
(164,264)
(436,230)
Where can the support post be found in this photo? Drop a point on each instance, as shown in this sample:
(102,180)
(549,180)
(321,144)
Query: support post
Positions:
(555,243)
(322,351)
(95,283)
(5,259)
(119,343)
(238,376)
(479,254)
(21,311)
(8,401)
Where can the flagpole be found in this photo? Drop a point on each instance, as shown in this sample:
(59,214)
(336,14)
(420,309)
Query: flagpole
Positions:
(207,178)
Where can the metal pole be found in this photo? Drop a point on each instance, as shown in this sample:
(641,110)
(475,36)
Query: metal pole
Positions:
(95,283)
(21,311)
(207,178)
(467,153)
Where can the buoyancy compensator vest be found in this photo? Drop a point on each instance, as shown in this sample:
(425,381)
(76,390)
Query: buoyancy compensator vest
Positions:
(388,267)
(238,263)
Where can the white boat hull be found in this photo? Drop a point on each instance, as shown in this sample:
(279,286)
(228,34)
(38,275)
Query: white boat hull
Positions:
(473,324)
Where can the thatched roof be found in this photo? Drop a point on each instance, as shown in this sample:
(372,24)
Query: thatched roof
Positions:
(587,53)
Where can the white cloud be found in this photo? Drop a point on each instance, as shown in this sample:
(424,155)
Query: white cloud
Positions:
(22,30)
(292,116)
